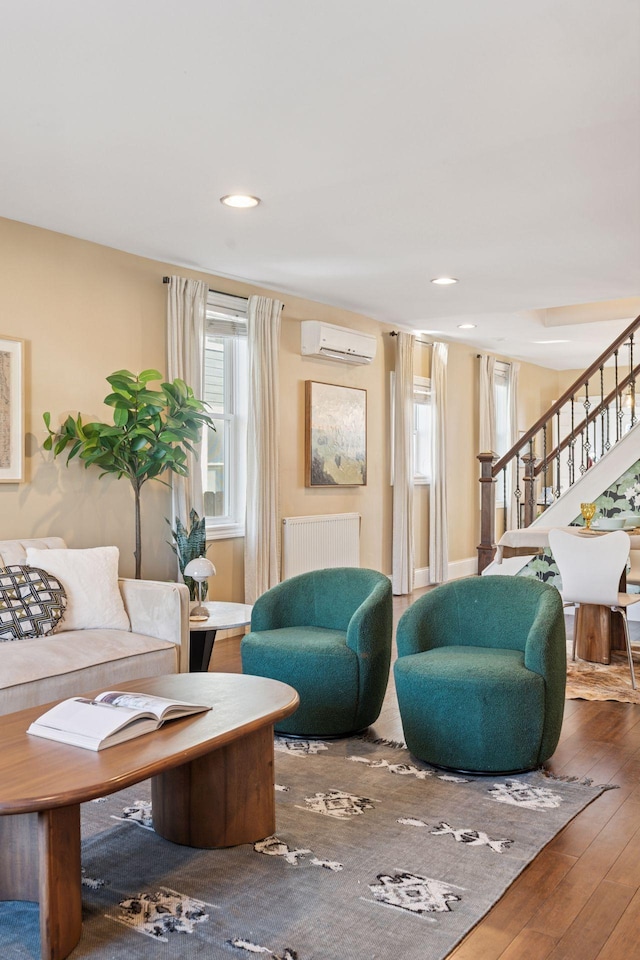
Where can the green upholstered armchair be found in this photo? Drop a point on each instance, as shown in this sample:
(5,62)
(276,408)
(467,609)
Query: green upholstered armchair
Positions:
(327,633)
(481,674)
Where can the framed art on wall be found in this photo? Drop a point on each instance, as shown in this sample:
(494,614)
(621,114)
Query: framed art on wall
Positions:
(11,410)
(335,435)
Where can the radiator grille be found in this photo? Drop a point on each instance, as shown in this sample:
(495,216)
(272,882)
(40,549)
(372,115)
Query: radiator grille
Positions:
(312,543)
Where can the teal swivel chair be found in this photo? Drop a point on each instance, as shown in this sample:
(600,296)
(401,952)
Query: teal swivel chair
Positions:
(481,674)
(327,633)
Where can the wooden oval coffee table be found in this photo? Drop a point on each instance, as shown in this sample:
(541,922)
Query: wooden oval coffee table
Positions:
(212,786)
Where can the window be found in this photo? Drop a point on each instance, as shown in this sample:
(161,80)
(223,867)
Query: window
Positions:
(501,397)
(503,418)
(421,428)
(225,390)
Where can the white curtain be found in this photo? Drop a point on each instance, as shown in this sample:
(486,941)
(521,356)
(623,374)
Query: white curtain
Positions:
(512,471)
(487,406)
(261,544)
(402,539)
(186,310)
(438,528)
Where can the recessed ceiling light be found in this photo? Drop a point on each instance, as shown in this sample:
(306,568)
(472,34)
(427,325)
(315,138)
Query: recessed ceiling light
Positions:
(444,281)
(242,200)
(551,341)
(466,326)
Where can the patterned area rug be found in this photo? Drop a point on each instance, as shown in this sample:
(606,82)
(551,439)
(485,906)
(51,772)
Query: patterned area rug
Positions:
(600,681)
(374,856)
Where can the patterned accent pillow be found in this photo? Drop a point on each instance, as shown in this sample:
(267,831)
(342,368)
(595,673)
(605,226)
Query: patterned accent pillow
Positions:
(32,602)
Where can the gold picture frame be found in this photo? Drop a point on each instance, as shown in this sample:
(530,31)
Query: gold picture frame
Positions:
(335,435)
(11,410)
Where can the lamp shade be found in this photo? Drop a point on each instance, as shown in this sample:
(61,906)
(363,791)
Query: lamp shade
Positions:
(199,568)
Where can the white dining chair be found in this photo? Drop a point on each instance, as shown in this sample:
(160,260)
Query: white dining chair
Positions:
(591,567)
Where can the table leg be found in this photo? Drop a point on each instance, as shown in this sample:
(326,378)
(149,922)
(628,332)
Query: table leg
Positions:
(200,648)
(41,861)
(221,799)
(593,633)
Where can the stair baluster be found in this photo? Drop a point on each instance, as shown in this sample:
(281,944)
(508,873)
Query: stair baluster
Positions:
(590,449)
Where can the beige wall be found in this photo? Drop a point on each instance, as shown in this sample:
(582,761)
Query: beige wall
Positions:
(85,310)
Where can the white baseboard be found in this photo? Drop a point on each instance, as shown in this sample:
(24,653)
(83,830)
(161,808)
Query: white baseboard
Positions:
(457,569)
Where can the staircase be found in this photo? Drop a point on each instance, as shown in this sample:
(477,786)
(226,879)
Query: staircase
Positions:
(583,442)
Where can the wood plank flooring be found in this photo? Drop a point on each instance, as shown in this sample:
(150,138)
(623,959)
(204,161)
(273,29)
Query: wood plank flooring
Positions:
(580,898)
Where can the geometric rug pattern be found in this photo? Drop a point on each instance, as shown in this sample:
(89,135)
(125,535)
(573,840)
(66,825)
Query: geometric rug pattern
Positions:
(374,855)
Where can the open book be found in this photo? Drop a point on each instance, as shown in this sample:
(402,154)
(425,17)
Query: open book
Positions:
(110,718)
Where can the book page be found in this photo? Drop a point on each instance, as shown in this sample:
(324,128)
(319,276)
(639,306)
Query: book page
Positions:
(135,701)
(88,717)
(146,702)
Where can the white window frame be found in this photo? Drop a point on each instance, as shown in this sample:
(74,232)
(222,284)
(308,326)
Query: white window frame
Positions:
(501,372)
(226,317)
(421,395)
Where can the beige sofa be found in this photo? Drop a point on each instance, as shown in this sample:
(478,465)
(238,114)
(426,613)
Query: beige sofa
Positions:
(71,662)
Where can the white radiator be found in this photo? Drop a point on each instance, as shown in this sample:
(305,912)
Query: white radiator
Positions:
(312,543)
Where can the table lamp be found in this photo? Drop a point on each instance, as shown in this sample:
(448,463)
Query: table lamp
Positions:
(199,569)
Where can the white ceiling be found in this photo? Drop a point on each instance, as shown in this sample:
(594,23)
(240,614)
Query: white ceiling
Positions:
(391,141)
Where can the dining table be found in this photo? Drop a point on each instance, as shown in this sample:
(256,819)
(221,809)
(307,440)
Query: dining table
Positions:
(598,631)
(537,538)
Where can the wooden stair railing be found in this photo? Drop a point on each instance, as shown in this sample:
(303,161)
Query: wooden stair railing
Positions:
(533,470)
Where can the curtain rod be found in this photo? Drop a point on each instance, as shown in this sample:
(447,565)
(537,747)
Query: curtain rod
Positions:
(222,293)
(211,290)
(426,343)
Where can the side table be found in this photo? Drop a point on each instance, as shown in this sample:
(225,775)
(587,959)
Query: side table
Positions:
(222,616)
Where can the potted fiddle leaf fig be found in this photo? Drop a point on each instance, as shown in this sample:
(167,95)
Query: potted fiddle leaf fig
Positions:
(152,430)
(188,545)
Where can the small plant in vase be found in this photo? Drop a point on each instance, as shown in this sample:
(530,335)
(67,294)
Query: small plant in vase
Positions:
(188,545)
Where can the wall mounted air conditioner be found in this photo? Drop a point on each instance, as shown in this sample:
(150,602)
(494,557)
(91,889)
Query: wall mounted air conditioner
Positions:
(319,339)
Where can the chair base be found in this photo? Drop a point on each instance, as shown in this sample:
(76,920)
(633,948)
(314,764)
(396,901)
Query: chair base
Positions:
(480,773)
(320,736)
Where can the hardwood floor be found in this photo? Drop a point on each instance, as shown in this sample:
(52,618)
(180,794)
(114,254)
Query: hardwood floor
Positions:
(580,898)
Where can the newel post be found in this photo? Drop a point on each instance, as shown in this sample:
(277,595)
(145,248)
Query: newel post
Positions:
(529,479)
(487,545)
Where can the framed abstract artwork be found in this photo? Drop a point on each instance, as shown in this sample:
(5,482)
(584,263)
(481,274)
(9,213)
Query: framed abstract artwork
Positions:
(335,435)
(11,410)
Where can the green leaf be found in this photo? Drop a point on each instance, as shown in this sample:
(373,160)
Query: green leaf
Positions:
(148,375)
(117,398)
(74,450)
(120,416)
(47,420)
(155,397)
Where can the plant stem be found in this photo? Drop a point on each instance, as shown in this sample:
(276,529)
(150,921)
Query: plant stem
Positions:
(138,551)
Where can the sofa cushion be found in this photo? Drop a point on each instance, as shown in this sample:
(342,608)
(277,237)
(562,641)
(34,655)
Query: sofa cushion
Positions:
(26,661)
(31,602)
(77,663)
(90,578)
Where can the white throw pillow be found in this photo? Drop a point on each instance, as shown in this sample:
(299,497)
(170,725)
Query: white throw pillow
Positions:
(90,578)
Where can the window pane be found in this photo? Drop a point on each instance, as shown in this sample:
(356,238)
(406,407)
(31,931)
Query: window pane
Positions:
(214,385)
(422,440)
(216,390)
(215,498)
(501,393)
